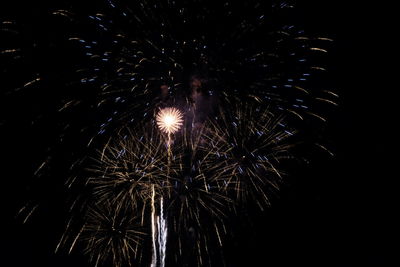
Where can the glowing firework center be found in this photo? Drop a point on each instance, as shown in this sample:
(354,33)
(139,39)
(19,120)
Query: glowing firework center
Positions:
(169,120)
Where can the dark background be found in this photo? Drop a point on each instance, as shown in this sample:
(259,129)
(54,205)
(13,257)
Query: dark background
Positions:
(337,212)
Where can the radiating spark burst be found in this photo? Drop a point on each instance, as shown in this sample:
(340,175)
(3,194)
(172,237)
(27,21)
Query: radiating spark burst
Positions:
(128,174)
(125,172)
(194,187)
(111,235)
(250,142)
(198,205)
(169,120)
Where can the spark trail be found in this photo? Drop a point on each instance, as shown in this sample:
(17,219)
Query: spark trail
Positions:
(162,233)
(153,229)
(159,233)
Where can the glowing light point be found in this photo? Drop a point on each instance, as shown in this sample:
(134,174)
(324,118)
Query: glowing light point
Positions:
(169,120)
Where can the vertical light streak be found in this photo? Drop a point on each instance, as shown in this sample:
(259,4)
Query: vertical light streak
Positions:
(169,121)
(163,231)
(153,229)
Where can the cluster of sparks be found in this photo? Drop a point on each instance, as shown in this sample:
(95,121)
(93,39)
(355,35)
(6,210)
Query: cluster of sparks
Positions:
(204,177)
(169,120)
(163,172)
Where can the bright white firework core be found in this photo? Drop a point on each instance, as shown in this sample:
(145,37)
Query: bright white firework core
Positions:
(169,120)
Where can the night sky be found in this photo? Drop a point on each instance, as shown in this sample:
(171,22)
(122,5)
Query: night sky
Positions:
(334,212)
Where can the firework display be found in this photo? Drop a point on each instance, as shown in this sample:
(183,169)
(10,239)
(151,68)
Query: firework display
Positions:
(171,115)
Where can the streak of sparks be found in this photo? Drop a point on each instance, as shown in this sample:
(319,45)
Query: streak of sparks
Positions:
(153,228)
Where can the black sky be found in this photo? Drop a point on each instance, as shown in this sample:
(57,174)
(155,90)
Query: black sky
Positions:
(337,212)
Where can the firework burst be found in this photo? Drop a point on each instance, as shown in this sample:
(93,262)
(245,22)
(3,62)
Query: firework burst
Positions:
(250,142)
(169,120)
(123,182)
(124,172)
(198,204)
(111,235)
(116,65)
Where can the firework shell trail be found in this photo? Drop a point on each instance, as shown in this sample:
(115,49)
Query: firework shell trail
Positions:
(163,233)
(153,229)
